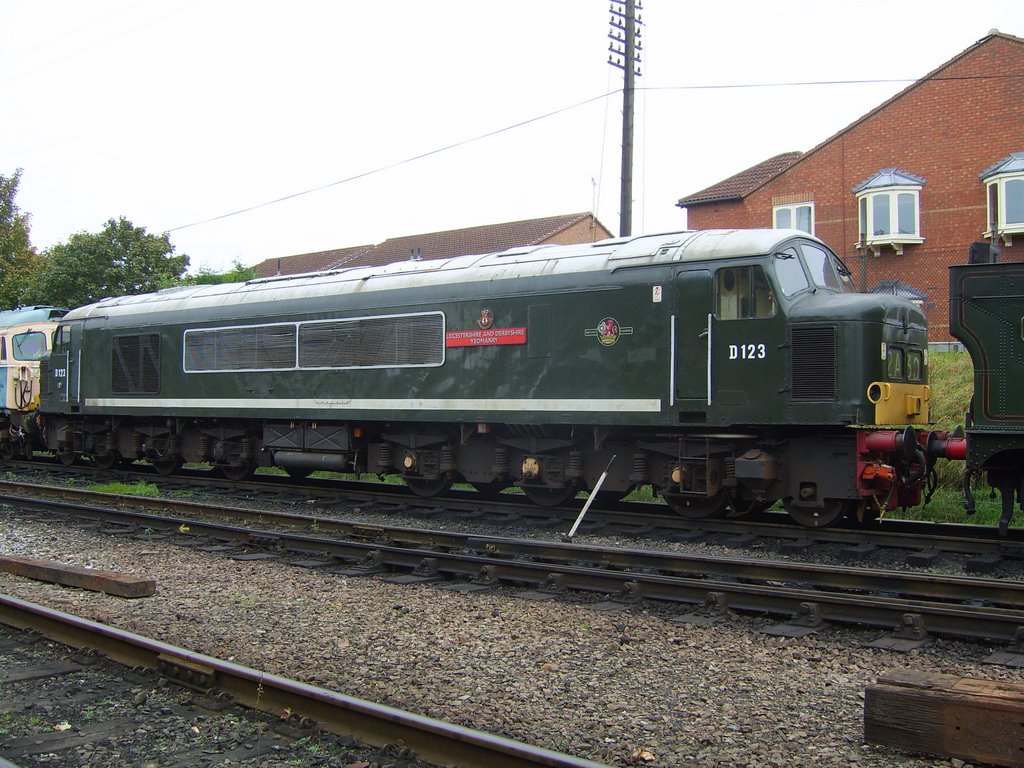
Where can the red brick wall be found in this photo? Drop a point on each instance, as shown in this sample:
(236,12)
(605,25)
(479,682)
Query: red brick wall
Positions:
(588,230)
(947,129)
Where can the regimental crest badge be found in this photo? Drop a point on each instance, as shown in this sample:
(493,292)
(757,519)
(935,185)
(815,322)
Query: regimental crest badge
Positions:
(486,319)
(608,331)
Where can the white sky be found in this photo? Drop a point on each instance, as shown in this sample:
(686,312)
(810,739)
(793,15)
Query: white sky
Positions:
(173,112)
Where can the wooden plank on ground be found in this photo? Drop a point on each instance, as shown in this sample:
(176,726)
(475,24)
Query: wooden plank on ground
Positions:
(84,578)
(967,718)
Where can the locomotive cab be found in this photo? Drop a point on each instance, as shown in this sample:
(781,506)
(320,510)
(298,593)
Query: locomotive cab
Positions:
(788,369)
(24,341)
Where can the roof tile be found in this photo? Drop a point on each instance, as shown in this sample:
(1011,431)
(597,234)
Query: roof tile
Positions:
(744,182)
(490,238)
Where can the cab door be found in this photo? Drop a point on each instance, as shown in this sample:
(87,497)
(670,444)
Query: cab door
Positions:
(692,336)
(7,374)
(65,364)
(748,350)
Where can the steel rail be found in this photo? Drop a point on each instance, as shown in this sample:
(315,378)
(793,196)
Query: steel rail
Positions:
(959,538)
(771,597)
(376,724)
(897,583)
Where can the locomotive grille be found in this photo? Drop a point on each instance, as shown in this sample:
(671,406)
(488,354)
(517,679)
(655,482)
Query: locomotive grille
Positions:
(391,341)
(814,363)
(135,364)
(247,348)
(372,342)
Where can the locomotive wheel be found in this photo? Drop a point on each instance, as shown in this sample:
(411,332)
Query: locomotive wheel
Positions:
(543,496)
(107,460)
(167,466)
(238,472)
(427,488)
(865,513)
(820,517)
(8,450)
(67,458)
(697,508)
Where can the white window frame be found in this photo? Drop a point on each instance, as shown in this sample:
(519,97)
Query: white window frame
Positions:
(793,208)
(997,223)
(893,237)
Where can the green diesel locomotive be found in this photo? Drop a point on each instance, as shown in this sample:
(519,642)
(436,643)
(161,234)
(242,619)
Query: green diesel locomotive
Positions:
(727,369)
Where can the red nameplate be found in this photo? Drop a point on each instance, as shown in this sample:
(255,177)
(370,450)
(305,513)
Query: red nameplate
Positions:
(488,338)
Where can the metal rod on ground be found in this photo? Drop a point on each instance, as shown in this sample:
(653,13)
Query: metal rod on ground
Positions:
(590,499)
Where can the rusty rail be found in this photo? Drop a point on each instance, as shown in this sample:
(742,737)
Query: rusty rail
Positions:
(375,724)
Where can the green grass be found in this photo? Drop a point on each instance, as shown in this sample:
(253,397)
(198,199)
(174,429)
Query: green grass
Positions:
(952,381)
(127,489)
(947,507)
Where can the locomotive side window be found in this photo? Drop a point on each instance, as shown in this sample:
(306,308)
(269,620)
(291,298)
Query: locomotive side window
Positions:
(790,272)
(3,348)
(61,338)
(742,293)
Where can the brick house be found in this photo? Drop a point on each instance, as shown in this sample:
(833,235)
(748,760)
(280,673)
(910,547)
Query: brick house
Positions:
(903,192)
(553,230)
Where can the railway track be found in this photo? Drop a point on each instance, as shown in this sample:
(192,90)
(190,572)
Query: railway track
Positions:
(808,597)
(299,710)
(924,542)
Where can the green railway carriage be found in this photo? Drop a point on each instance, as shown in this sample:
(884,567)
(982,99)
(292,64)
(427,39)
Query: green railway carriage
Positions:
(986,313)
(725,368)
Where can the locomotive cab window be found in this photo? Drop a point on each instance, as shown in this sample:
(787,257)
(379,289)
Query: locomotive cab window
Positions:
(28,346)
(62,339)
(826,270)
(790,272)
(743,293)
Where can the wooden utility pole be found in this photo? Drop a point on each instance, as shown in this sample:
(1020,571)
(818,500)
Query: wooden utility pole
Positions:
(625,54)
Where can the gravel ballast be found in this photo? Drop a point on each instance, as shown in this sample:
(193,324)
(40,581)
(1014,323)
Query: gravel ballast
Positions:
(624,688)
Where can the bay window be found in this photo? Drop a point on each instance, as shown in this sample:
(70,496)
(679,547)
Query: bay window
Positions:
(889,210)
(1004,185)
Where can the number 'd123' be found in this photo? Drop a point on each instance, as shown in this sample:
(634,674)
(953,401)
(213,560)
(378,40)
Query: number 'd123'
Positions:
(747,352)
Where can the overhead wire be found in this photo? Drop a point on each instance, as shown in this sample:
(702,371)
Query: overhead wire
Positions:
(797,83)
(395,164)
(537,118)
(604,142)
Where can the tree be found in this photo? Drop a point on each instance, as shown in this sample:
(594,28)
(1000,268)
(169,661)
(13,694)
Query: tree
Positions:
(121,260)
(206,276)
(17,256)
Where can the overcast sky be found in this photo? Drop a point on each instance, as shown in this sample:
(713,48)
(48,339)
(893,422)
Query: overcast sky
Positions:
(172,113)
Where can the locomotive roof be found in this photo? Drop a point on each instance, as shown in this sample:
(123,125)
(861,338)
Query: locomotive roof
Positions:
(30,314)
(531,261)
